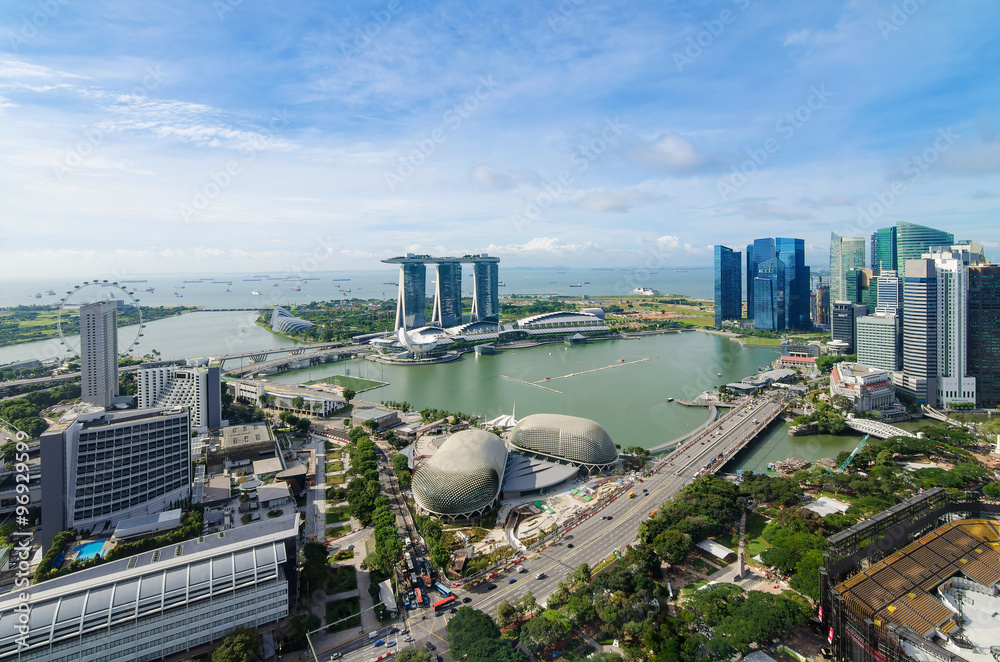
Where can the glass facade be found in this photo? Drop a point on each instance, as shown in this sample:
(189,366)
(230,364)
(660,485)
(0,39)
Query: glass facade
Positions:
(411,307)
(761,250)
(448,295)
(920,328)
(984,332)
(769,296)
(486,294)
(846,254)
(728,285)
(884,250)
(914,240)
(792,253)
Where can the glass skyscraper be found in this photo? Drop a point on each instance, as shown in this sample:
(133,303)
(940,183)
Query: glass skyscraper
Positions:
(884,250)
(792,253)
(984,332)
(728,285)
(769,296)
(913,240)
(411,307)
(846,254)
(920,342)
(448,295)
(761,250)
(486,293)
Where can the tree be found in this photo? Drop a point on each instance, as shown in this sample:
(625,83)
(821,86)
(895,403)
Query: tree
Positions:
(529,603)
(414,655)
(992,490)
(581,574)
(298,403)
(468,626)
(544,630)
(494,650)
(295,631)
(349,394)
(440,556)
(806,578)
(673,546)
(506,613)
(240,645)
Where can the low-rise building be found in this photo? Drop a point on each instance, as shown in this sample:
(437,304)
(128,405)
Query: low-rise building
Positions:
(274,495)
(868,389)
(385,418)
(267,468)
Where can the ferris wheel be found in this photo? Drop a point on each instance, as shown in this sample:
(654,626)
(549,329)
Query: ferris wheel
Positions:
(130,323)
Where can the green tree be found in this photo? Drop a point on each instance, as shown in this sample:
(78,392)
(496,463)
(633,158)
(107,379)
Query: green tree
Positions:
(806,578)
(506,613)
(544,630)
(440,556)
(992,490)
(673,546)
(296,629)
(298,403)
(414,655)
(349,394)
(468,626)
(493,650)
(240,645)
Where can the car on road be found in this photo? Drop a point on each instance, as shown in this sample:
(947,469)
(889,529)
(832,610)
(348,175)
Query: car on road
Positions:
(379,643)
(390,643)
(466,600)
(521,569)
(430,646)
(512,580)
(336,656)
(570,545)
(407,639)
(452,611)
(540,575)
(490,587)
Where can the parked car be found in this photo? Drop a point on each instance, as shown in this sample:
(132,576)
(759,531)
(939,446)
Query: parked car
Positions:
(512,580)
(430,646)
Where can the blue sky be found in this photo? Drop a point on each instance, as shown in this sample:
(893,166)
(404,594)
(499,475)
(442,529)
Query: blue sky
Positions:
(237,135)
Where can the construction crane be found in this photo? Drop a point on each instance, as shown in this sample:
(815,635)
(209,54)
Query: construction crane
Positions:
(851,456)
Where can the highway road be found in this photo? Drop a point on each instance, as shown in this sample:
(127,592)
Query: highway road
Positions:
(592,540)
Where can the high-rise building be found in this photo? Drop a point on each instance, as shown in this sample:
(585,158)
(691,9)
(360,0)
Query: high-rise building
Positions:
(884,250)
(485,292)
(984,333)
(792,253)
(843,324)
(920,343)
(821,304)
(954,383)
(913,240)
(194,385)
(161,602)
(101,467)
(861,287)
(769,296)
(411,302)
(99,352)
(728,285)
(761,250)
(846,254)
(890,293)
(878,342)
(448,294)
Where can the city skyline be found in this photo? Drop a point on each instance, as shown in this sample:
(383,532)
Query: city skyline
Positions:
(577,134)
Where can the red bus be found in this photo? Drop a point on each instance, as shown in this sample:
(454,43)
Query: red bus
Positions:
(441,604)
(419,595)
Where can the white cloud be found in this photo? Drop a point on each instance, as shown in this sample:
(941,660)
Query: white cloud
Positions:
(610,201)
(541,246)
(671,153)
(19,69)
(981,194)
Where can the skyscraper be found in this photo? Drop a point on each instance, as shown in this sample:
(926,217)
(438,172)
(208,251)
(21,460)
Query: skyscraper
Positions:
(821,304)
(843,324)
(761,250)
(728,285)
(485,286)
(846,254)
(448,295)
(878,342)
(101,467)
(913,240)
(99,352)
(984,332)
(920,344)
(890,293)
(195,386)
(884,250)
(792,253)
(954,383)
(769,296)
(411,304)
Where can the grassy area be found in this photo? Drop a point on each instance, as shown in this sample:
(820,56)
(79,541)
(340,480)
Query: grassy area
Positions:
(336,479)
(699,321)
(334,531)
(343,614)
(341,578)
(343,555)
(334,466)
(354,383)
(753,340)
(339,514)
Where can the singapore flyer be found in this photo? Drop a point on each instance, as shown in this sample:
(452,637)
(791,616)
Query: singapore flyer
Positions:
(129,315)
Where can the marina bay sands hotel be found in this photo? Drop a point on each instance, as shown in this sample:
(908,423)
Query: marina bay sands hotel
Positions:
(411,303)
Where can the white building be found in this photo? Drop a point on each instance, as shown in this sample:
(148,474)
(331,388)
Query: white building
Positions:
(954,385)
(160,602)
(878,342)
(314,401)
(868,389)
(99,352)
(195,386)
(100,467)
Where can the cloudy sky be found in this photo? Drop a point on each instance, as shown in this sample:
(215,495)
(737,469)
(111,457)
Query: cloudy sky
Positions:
(243,134)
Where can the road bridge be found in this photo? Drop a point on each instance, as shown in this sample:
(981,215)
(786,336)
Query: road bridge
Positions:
(258,365)
(876,428)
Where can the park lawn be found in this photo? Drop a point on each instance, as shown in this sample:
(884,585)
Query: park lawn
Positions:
(335,479)
(334,531)
(339,514)
(356,384)
(698,321)
(753,340)
(337,611)
(334,466)
(341,578)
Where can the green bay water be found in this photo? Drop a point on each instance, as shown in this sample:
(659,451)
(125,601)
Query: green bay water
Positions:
(629,400)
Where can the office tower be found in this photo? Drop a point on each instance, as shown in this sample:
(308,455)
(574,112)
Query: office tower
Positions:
(954,384)
(878,342)
(486,293)
(890,293)
(448,295)
(761,250)
(846,254)
(411,304)
(984,333)
(920,343)
(99,352)
(861,287)
(196,386)
(100,467)
(843,324)
(884,250)
(821,304)
(161,602)
(792,253)
(913,240)
(728,285)
(769,296)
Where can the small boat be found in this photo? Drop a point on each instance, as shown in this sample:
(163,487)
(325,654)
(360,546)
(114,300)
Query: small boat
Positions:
(228,290)
(500,284)
(621,360)
(37,295)
(295,288)
(149,289)
(276,284)
(51,293)
(718,374)
(670,399)
(586,282)
(256,293)
(576,285)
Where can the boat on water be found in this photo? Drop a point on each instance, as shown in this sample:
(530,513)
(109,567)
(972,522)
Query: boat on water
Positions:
(181,287)
(192,281)
(256,293)
(150,289)
(500,284)
(389,283)
(576,284)
(295,288)
(340,280)
(51,293)
(349,289)
(178,294)
(228,290)
(277,284)
(670,399)
(718,374)
(586,282)
(37,295)
(680,271)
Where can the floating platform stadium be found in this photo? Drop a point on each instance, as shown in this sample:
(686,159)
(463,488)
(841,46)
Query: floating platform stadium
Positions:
(920,581)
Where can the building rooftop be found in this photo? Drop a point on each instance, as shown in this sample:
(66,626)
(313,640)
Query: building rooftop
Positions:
(240,435)
(271,465)
(273,492)
(525,474)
